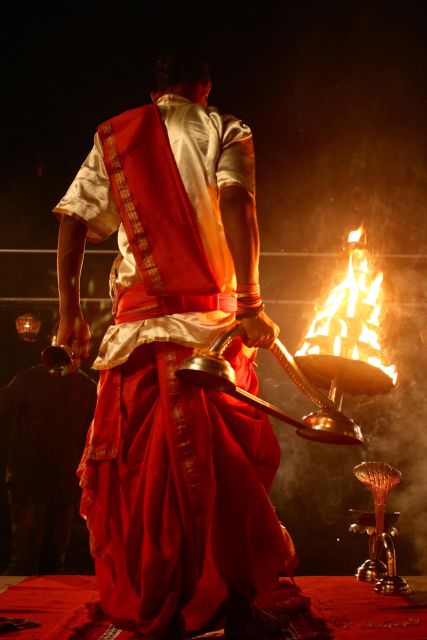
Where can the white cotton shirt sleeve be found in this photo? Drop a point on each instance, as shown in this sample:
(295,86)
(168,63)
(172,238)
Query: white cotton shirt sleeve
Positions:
(89,197)
(236,162)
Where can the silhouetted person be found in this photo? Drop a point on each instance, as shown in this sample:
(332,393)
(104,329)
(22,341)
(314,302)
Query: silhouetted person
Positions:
(51,414)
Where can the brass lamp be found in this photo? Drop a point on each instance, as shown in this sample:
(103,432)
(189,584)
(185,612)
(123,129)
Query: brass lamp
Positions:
(208,369)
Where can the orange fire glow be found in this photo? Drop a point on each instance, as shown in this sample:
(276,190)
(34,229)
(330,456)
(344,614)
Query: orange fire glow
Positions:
(348,324)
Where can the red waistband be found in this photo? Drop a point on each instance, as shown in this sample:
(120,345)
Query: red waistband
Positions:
(134,304)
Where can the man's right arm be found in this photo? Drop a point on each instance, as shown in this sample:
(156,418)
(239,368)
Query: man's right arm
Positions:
(73,328)
(238,214)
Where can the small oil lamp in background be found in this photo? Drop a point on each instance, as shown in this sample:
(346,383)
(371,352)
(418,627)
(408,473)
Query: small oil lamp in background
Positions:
(379,478)
(28,327)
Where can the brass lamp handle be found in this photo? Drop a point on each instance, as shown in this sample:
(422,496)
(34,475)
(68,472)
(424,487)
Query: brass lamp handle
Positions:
(286,361)
(221,342)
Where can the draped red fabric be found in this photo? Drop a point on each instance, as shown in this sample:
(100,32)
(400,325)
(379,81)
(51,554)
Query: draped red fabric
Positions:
(154,207)
(133,304)
(183,508)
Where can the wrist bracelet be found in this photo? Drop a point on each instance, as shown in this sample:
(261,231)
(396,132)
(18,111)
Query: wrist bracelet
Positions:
(250,313)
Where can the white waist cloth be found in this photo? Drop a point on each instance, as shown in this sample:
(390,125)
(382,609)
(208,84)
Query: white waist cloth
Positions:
(187,329)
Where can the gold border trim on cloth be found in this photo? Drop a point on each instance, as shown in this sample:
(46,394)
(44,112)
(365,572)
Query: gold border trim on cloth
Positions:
(127,206)
(184,444)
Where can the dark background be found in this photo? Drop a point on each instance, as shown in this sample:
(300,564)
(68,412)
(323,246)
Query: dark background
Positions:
(335,94)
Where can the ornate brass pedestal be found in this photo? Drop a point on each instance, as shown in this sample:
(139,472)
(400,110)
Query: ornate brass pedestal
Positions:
(364,522)
(374,570)
(380,478)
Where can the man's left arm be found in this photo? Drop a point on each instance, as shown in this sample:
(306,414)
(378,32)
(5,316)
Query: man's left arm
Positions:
(73,329)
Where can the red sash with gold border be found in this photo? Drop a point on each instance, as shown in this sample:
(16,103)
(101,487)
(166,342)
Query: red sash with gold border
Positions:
(154,207)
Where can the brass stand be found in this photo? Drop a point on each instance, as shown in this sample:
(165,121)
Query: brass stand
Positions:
(374,570)
(391,584)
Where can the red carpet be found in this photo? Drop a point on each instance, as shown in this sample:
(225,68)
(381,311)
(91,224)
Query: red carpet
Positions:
(338,608)
(355,612)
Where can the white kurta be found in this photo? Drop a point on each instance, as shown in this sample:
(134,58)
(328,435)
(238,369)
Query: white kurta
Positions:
(211,151)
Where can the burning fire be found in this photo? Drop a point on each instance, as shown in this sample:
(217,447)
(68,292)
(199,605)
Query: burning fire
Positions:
(348,325)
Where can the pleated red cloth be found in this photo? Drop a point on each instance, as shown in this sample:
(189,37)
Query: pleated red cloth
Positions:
(175,491)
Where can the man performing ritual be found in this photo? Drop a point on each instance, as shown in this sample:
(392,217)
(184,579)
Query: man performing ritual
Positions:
(175,479)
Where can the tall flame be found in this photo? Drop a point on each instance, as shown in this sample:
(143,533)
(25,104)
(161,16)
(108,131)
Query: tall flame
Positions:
(358,235)
(348,324)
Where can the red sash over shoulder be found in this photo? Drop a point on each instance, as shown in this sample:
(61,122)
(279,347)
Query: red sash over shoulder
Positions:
(155,210)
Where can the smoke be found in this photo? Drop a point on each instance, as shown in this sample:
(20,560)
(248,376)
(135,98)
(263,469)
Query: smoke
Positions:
(396,433)
(315,485)
(344,145)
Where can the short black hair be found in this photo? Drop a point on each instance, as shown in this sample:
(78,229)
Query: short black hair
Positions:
(172,69)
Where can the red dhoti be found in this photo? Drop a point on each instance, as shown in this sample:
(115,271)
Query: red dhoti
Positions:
(175,491)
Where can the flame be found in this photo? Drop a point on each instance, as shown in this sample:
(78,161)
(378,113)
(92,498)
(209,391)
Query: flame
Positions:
(357,235)
(348,324)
